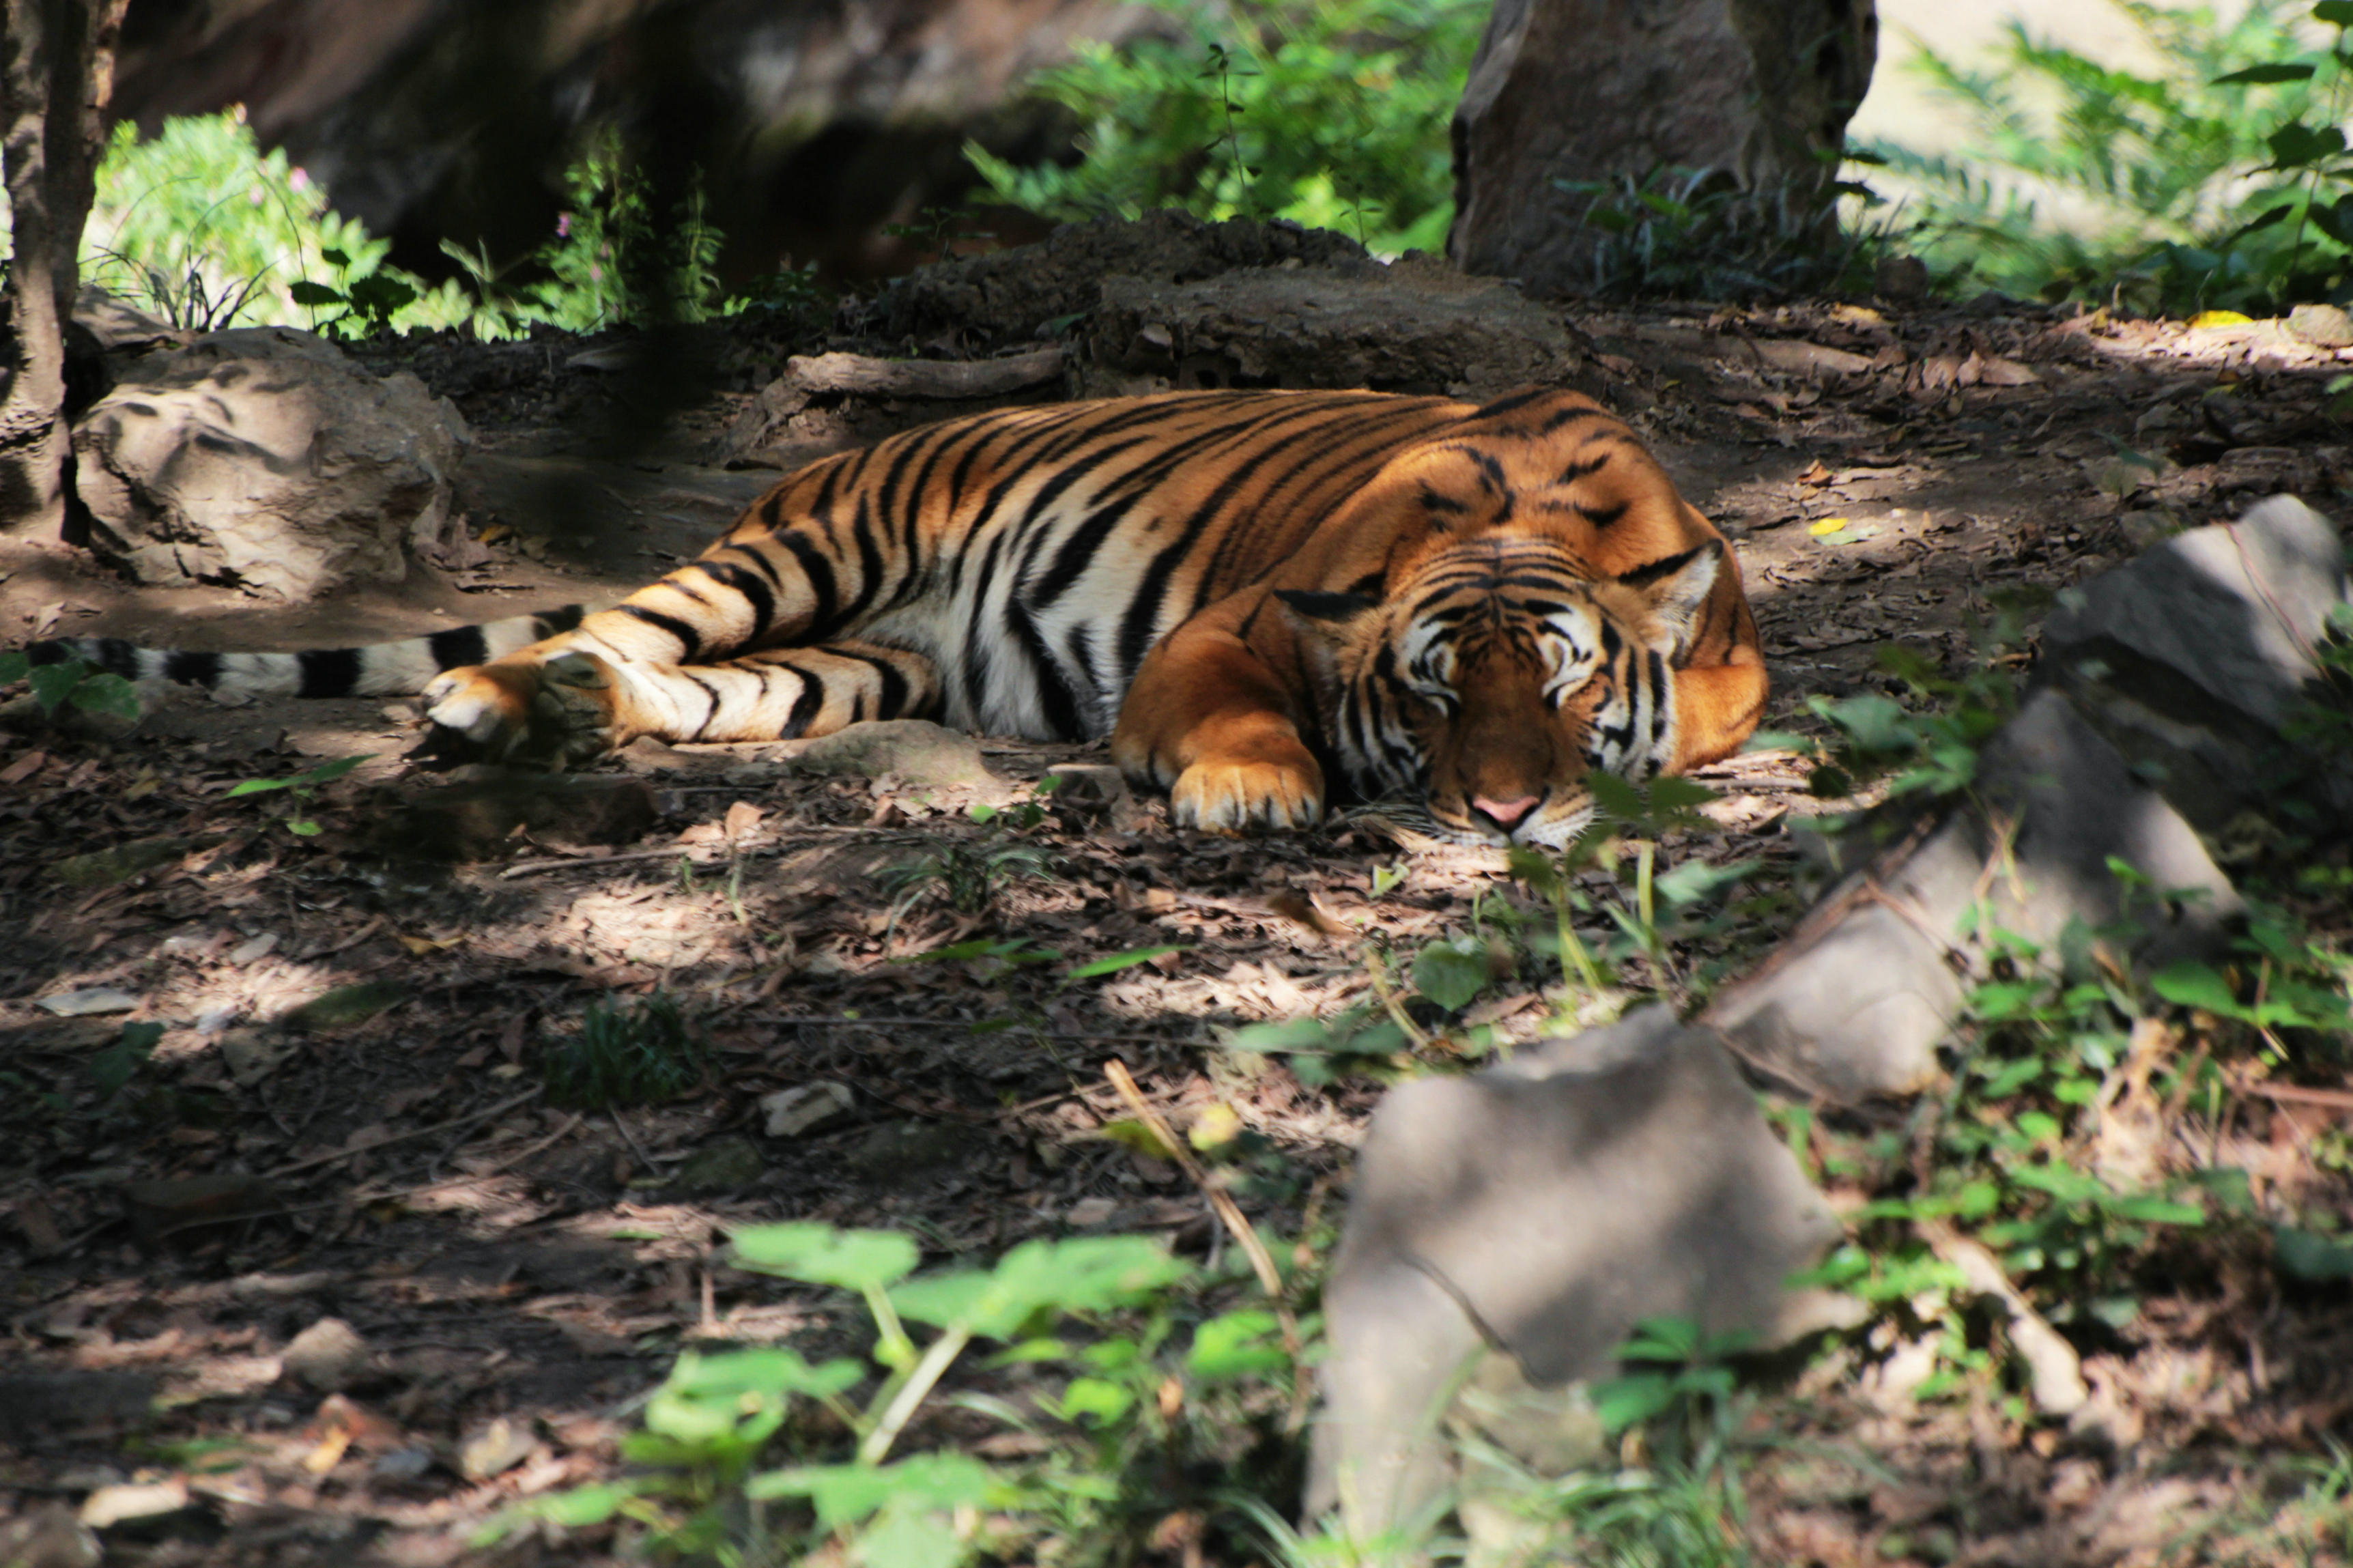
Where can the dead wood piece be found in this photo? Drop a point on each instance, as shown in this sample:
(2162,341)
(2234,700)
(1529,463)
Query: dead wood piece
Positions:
(849,375)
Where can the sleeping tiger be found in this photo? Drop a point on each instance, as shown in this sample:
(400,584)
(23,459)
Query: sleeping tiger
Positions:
(1263,598)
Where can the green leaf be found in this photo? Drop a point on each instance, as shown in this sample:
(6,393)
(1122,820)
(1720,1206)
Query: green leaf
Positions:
(2257,75)
(380,294)
(2193,984)
(14,664)
(2297,145)
(2335,12)
(107,692)
(1452,974)
(1080,1274)
(845,1494)
(333,257)
(305,292)
(1696,879)
(2309,1256)
(908,1537)
(1622,1402)
(1236,1345)
(1118,960)
(53,683)
(1283,1037)
(1092,1402)
(824,1255)
(115,1065)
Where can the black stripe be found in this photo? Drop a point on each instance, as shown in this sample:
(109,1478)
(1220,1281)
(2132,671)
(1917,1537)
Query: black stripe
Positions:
(758,557)
(1601,516)
(329,671)
(709,692)
(1568,416)
(454,648)
(976,645)
(870,564)
(747,583)
(194,669)
(690,641)
(824,597)
(1578,470)
(117,657)
(891,701)
(1511,401)
(562,618)
(805,706)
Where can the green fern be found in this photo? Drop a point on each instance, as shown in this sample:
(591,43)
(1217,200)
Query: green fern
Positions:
(2085,179)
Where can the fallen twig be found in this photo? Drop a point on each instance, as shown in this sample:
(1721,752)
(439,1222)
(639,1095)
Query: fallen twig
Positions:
(1246,1234)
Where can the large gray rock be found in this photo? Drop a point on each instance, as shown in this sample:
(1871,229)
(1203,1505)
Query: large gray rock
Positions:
(2194,658)
(263,458)
(1855,1003)
(1580,90)
(1541,1208)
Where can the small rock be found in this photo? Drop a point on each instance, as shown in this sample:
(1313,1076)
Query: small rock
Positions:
(253,1055)
(1901,280)
(105,867)
(401,1466)
(721,1166)
(88,1001)
(2326,326)
(1089,794)
(133,1502)
(329,1356)
(49,1536)
(495,1450)
(791,1112)
(253,949)
(924,754)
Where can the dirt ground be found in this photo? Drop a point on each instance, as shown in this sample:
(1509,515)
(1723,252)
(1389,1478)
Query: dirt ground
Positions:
(171,1226)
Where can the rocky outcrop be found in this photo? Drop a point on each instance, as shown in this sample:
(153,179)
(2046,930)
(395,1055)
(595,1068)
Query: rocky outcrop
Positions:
(1417,326)
(1580,90)
(1014,295)
(265,459)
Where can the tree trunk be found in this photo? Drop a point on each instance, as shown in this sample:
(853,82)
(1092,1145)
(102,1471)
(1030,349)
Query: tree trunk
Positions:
(56,68)
(1759,91)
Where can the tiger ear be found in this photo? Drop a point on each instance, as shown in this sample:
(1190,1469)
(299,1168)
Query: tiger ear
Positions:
(1332,611)
(1677,587)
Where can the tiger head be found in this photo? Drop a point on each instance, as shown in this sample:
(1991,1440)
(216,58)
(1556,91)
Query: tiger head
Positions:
(1490,678)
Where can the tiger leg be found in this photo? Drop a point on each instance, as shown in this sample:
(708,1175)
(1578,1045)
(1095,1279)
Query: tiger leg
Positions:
(582,707)
(1207,722)
(1716,708)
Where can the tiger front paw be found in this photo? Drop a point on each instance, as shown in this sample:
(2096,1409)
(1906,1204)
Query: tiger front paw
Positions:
(551,713)
(1220,795)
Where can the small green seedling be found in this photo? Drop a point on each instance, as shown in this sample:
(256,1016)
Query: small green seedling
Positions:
(624,1056)
(304,785)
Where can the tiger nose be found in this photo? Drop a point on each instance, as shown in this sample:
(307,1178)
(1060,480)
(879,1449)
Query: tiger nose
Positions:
(1506,815)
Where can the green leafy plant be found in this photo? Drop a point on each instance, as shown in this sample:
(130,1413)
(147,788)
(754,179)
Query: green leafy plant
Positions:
(1698,234)
(70,682)
(2208,182)
(364,303)
(303,787)
(708,1427)
(1331,115)
(119,1062)
(639,1055)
